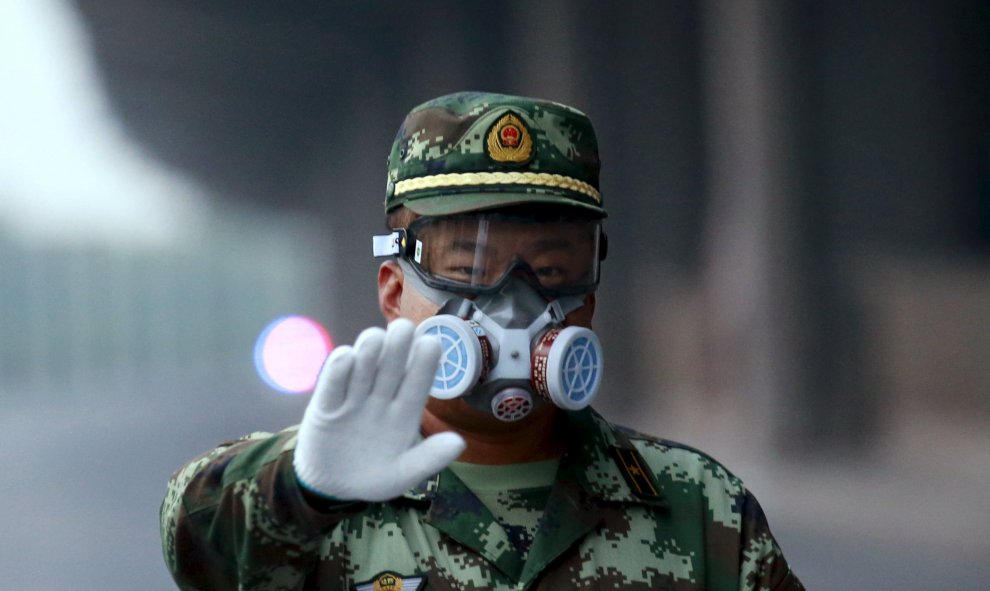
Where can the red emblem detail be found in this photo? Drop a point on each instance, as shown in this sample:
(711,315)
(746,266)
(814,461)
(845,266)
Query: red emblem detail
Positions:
(509,136)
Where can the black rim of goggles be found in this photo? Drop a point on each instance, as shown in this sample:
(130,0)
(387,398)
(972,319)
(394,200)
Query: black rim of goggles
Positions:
(402,243)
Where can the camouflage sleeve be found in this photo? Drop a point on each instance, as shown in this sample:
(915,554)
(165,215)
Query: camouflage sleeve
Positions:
(236,517)
(762,564)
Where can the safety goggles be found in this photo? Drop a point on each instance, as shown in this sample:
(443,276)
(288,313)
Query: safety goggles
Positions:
(477,253)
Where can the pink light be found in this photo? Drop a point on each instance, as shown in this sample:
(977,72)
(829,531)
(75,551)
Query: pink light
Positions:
(289,353)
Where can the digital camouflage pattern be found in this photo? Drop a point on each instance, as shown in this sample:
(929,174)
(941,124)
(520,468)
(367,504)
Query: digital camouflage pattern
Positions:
(474,150)
(235,518)
(518,512)
(515,494)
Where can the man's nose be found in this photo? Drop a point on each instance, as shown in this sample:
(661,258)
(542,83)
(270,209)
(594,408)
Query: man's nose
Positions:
(523,272)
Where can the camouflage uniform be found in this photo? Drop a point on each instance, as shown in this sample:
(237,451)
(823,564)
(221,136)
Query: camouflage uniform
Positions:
(625,511)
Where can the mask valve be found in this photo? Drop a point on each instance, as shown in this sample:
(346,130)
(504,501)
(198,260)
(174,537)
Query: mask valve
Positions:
(511,404)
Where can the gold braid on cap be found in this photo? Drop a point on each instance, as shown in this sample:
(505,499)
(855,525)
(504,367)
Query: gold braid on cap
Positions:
(465,179)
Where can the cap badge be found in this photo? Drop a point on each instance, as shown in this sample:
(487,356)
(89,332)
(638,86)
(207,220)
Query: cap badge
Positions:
(509,140)
(392,581)
(388,582)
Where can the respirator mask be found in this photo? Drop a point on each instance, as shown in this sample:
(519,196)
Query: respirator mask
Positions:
(503,285)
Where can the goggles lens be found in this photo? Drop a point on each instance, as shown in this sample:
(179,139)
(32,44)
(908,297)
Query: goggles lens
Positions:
(477,252)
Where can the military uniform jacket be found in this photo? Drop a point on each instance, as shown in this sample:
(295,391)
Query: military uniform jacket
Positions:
(626,511)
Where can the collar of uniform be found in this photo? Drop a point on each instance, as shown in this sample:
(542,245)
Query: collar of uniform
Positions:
(607,464)
(456,511)
(424,491)
(596,461)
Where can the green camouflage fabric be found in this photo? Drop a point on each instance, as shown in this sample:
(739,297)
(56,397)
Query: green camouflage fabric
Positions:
(518,511)
(474,150)
(515,494)
(235,518)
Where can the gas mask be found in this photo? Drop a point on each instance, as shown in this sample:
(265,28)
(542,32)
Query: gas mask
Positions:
(504,346)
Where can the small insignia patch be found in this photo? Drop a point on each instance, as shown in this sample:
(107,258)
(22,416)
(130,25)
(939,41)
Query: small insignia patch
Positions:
(509,140)
(635,473)
(392,581)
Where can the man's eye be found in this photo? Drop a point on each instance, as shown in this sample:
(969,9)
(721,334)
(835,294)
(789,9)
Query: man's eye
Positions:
(551,275)
(462,272)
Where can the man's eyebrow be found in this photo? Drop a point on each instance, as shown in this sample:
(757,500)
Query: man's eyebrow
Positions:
(546,244)
(462,244)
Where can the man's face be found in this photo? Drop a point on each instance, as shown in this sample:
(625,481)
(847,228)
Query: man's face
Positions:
(559,253)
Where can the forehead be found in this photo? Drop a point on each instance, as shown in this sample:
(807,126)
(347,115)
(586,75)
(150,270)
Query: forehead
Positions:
(495,232)
(510,226)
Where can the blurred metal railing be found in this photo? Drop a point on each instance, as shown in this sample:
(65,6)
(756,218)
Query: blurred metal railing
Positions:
(73,313)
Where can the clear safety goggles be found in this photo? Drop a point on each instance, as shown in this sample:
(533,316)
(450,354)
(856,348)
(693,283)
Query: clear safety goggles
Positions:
(477,253)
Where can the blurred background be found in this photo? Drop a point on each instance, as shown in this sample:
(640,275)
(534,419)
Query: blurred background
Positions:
(798,279)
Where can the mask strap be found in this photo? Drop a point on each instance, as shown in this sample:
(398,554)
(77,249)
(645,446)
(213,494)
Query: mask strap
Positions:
(555,312)
(568,304)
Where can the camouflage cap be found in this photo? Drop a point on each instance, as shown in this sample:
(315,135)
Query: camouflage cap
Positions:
(473,150)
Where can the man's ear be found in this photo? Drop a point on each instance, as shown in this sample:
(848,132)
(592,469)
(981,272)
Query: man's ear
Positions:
(390,284)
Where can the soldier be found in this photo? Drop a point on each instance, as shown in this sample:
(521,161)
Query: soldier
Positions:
(456,449)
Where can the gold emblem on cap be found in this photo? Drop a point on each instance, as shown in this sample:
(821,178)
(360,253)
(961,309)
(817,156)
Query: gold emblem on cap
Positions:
(387,582)
(509,140)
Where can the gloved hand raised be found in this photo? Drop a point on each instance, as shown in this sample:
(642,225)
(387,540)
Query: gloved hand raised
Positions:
(358,436)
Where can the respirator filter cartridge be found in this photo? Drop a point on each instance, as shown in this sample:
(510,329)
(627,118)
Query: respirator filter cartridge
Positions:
(465,358)
(567,366)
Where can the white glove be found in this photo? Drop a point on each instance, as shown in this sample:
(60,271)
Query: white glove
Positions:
(358,436)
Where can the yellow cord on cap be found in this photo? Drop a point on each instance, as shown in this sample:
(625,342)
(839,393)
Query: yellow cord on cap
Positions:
(464,179)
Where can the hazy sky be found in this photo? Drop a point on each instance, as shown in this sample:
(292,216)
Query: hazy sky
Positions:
(68,172)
